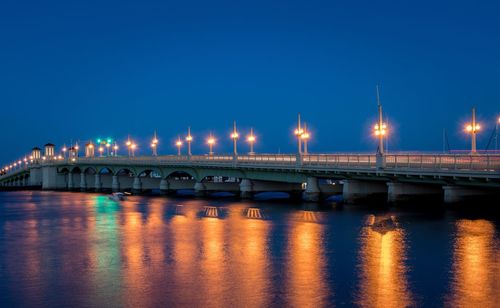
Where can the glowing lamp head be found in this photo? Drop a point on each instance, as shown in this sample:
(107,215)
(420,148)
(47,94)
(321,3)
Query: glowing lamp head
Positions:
(251,138)
(178,143)
(211,140)
(235,135)
(128,143)
(64,149)
(101,149)
(115,147)
(76,147)
(133,146)
(108,145)
(189,138)
(305,136)
(91,146)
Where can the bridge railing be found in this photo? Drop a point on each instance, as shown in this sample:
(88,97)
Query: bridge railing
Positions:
(484,163)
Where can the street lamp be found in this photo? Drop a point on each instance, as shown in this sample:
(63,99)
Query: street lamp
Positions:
(235,136)
(496,134)
(154,145)
(129,145)
(473,128)
(298,132)
(305,136)
(133,146)
(211,142)
(380,129)
(251,140)
(101,150)
(189,138)
(179,145)
(107,148)
(115,149)
(64,149)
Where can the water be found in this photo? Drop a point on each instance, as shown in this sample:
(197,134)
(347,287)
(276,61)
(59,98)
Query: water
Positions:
(83,250)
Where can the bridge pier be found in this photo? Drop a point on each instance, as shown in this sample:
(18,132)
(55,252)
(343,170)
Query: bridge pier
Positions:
(200,190)
(115,183)
(355,191)
(406,192)
(83,182)
(70,181)
(137,185)
(246,189)
(98,183)
(164,187)
(312,192)
(459,194)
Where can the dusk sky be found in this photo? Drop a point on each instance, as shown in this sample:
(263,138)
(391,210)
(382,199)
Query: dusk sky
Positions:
(75,71)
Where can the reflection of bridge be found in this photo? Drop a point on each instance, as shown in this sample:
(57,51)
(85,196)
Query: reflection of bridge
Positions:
(357,176)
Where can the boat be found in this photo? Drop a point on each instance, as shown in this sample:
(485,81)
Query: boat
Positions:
(117,196)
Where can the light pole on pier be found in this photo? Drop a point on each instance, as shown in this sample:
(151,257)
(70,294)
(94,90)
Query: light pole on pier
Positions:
(189,138)
(178,144)
(235,136)
(133,146)
(380,128)
(64,149)
(211,142)
(154,145)
(473,128)
(305,136)
(251,139)
(298,132)
(129,145)
(496,134)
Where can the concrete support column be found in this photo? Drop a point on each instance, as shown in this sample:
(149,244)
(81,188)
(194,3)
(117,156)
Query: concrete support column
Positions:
(406,192)
(200,189)
(164,186)
(70,181)
(457,194)
(312,192)
(137,185)
(246,189)
(357,191)
(115,184)
(83,182)
(98,183)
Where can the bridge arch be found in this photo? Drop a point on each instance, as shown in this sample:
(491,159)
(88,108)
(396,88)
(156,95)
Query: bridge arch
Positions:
(105,170)
(173,172)
(150,172)
(122,171)
(89,170)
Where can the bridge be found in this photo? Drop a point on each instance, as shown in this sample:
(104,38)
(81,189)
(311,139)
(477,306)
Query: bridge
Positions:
(395,177)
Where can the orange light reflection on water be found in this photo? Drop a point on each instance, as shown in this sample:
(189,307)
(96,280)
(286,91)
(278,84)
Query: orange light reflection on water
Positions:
(306,286)
(383,280)
(475,270)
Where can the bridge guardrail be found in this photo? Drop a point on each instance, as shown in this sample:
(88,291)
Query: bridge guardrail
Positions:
(484,163)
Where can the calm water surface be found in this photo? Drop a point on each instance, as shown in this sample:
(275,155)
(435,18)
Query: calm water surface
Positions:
(83,250)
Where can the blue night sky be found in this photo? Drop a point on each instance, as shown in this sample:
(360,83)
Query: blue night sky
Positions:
(72,70)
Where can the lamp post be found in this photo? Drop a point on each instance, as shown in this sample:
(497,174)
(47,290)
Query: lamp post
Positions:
(101,150)
(189,138)
(108,145)
(133,146)
(234,136)
(129,145)
(496,134)
(305,136)
(64,149)
(251,140)
(178,144)
(380,129)
(211,142)
(473,128)
(115,149)
(298,132)
(154,145)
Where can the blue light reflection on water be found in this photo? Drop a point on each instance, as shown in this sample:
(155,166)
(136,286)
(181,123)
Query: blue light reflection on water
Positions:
(60,249)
